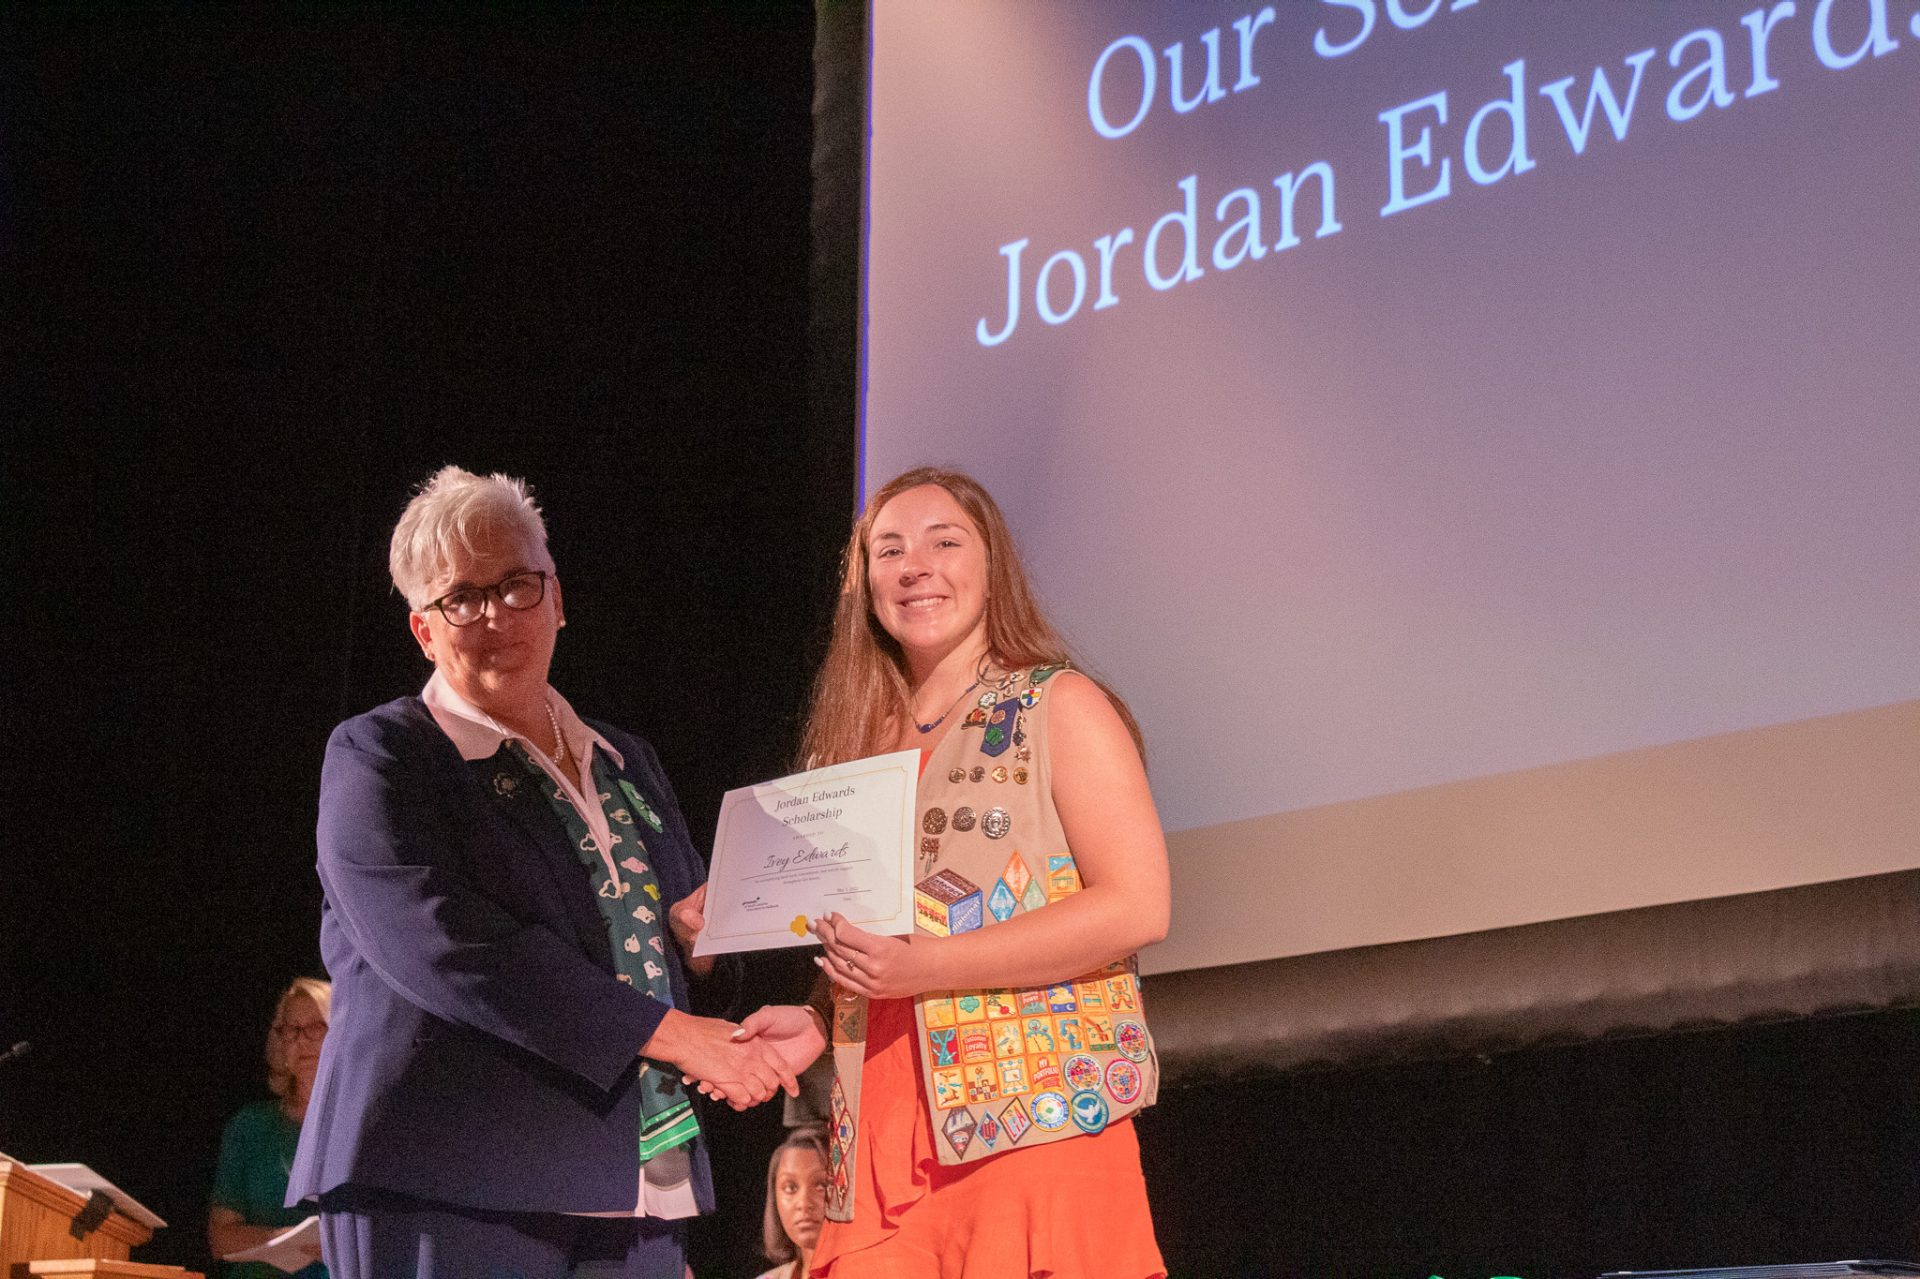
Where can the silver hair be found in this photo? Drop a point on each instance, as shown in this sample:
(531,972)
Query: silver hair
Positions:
(453,515)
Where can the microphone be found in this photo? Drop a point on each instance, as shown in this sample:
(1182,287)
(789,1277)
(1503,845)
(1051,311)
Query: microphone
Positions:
(16,1052)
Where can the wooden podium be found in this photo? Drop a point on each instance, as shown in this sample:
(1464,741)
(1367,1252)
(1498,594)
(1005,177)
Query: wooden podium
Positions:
(36,1236)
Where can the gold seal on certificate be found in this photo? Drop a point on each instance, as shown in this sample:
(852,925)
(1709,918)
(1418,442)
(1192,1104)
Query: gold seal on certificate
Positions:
(788,851)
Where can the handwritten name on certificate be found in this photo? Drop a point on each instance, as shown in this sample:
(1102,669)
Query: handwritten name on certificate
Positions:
(791,850)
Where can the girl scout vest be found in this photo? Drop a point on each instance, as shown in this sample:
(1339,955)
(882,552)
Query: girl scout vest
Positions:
(1003,1069)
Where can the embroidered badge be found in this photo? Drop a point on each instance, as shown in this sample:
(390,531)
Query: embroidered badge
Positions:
(959,1131)
(945,1046)
(1123,1080)
(1082,1072)
(1000,1004)
(1130,1037)
(982,1083)
(1002,902)
(1013,1077)
(1014,1121)
(1089,1111)
(946,1088)
(1007,1039)
(1043,1071)
(988,1132)
(1050,1111)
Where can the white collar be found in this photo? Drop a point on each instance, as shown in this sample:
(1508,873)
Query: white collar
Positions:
(478,735)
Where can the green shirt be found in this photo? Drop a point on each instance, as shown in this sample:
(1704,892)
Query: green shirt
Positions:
(256,1154)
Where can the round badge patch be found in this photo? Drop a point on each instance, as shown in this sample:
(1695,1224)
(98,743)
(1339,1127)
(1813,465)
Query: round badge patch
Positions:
(935,821)
(1082,1072)
(1131,1038)
(963,819)
(1089,1111)
(956,775)
(1123,1081)
(1020,776)
(1000,773)
(996,822)
(1050,1111)
(979,773)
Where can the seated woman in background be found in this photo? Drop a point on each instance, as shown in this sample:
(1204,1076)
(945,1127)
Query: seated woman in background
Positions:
(796,1201)
(250,1182)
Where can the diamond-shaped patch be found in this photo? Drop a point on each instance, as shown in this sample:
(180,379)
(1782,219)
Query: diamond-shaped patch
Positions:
(988,1132)
(1002,901)
(1035,897)
(1014,1121)
(959,1130)
(1016,875)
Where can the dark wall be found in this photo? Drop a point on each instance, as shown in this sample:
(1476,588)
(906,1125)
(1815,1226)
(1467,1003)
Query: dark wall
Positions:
(266,269)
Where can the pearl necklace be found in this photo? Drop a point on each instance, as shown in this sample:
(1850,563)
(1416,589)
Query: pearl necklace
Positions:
(559,742)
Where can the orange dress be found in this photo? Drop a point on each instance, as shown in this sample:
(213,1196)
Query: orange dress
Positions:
(1067,1210)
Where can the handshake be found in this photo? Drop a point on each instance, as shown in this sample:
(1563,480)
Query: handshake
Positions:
(742,1065)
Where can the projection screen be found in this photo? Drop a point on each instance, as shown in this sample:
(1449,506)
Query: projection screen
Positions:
(1478,438)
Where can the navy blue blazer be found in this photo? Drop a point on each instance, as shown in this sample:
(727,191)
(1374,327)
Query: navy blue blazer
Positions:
(480,1051)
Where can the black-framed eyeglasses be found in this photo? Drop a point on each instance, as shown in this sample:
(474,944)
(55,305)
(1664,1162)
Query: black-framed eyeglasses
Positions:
(466,605)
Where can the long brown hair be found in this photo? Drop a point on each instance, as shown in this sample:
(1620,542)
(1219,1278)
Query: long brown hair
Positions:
(861,699)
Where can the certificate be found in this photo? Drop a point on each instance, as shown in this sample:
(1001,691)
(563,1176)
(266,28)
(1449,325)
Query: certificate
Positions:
(788,851)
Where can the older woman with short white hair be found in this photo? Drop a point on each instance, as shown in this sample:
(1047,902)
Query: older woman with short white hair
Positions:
(511,897)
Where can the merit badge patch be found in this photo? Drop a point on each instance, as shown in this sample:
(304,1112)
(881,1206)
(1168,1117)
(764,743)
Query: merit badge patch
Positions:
(1082,1072)
(1050,1111)
(1014,1121)
(946,1088)
(945,1046)
(1089,1111)
(1016,876)
(959,1131)
(1000,1003)
(1007,1039)
(988,1132)
(1131,1039)
(1002,901)
(1123,1080)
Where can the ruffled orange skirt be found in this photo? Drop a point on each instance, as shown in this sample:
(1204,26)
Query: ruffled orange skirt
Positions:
(1067,1210)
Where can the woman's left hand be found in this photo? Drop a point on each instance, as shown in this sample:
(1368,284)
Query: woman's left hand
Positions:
(872,965)
(686,918)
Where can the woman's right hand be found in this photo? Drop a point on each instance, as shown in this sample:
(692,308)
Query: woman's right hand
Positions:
(743,1071)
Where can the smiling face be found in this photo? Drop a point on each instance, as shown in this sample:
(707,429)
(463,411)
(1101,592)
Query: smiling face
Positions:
(499,662)
(800,1195)
(927,576)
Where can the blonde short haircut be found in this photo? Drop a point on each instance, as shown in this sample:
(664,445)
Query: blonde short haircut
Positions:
(452,516)
(320,994)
